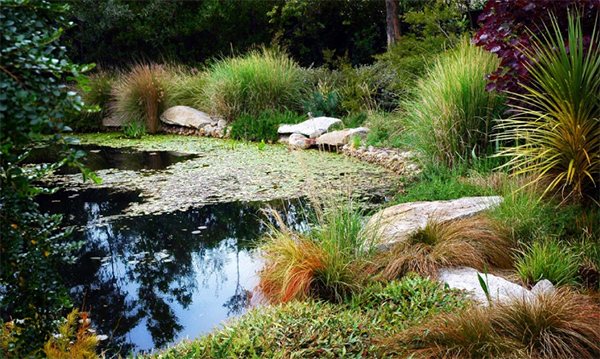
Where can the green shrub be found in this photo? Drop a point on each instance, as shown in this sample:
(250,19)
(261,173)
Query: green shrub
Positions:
(320,104)
(95,92)
(139,95)
(450,118)
(409,59)
(262,127)
(555,126)
(134,130)
(548,259)
(259,81)
(319,329)
(386,129)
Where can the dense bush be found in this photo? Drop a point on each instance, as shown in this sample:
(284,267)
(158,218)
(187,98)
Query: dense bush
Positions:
(451,117)
(507,28)
(33,100)
(258,81)
(262,127)
(139,95)
(555,136)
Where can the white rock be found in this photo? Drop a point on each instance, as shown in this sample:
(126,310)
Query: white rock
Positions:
(113,121)
(221,123)
(312,128)
(397,223)
(298,141)
(500,289)
(543,287)
(187,117)
(341,137)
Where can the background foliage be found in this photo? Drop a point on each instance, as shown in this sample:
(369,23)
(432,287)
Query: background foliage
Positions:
(33,100)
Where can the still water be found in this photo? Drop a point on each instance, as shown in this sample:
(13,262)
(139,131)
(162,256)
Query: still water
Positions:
(153,280)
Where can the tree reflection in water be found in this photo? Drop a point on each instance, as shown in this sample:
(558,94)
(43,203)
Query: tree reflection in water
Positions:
(152,280)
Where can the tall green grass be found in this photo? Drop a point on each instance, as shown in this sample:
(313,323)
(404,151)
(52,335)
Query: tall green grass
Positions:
(551,260)
(259,81)
(184,87)
(450,118)
(556,123)
(95,92)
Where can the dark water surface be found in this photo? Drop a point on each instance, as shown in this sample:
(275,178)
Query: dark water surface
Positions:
(156,279)
(105,157)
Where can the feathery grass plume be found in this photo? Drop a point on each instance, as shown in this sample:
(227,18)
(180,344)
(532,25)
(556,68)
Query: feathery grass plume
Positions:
(259,81)
(555,128)
(548,259)
(472,242)
(325,263)
(73,341)
(560,324)
(450,118)
(139,95)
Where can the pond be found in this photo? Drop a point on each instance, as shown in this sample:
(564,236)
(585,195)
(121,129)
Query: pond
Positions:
(156,279)
(169,235)
(104,157)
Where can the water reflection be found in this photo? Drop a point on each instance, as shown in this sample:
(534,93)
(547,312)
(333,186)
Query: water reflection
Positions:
(104,157)
(152,280)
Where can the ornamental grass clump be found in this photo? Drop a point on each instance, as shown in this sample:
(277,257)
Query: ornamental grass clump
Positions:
(184,87)
(450,118)
(259,81)
(551,260)
(554,133)
(560,324)
(326,263)
(139,95)
(472,242)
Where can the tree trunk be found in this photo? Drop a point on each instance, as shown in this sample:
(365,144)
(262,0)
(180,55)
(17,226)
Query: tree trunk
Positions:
(392,21)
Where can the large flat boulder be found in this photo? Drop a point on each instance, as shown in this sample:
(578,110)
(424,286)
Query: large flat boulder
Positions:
(499,289)
(341,137)
(312,128)
(187,117)
(397,223)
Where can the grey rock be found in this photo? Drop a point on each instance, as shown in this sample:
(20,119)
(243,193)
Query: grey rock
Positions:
(298,141)
(397,223)
(312,128)
(187,117)
(341,137)
(221,123)
(543,287)
(500,289)
(113,121)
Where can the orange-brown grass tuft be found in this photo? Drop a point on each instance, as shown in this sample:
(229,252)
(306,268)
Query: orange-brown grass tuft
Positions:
(562,324)
(291,264)
(139,95)
(472,242)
